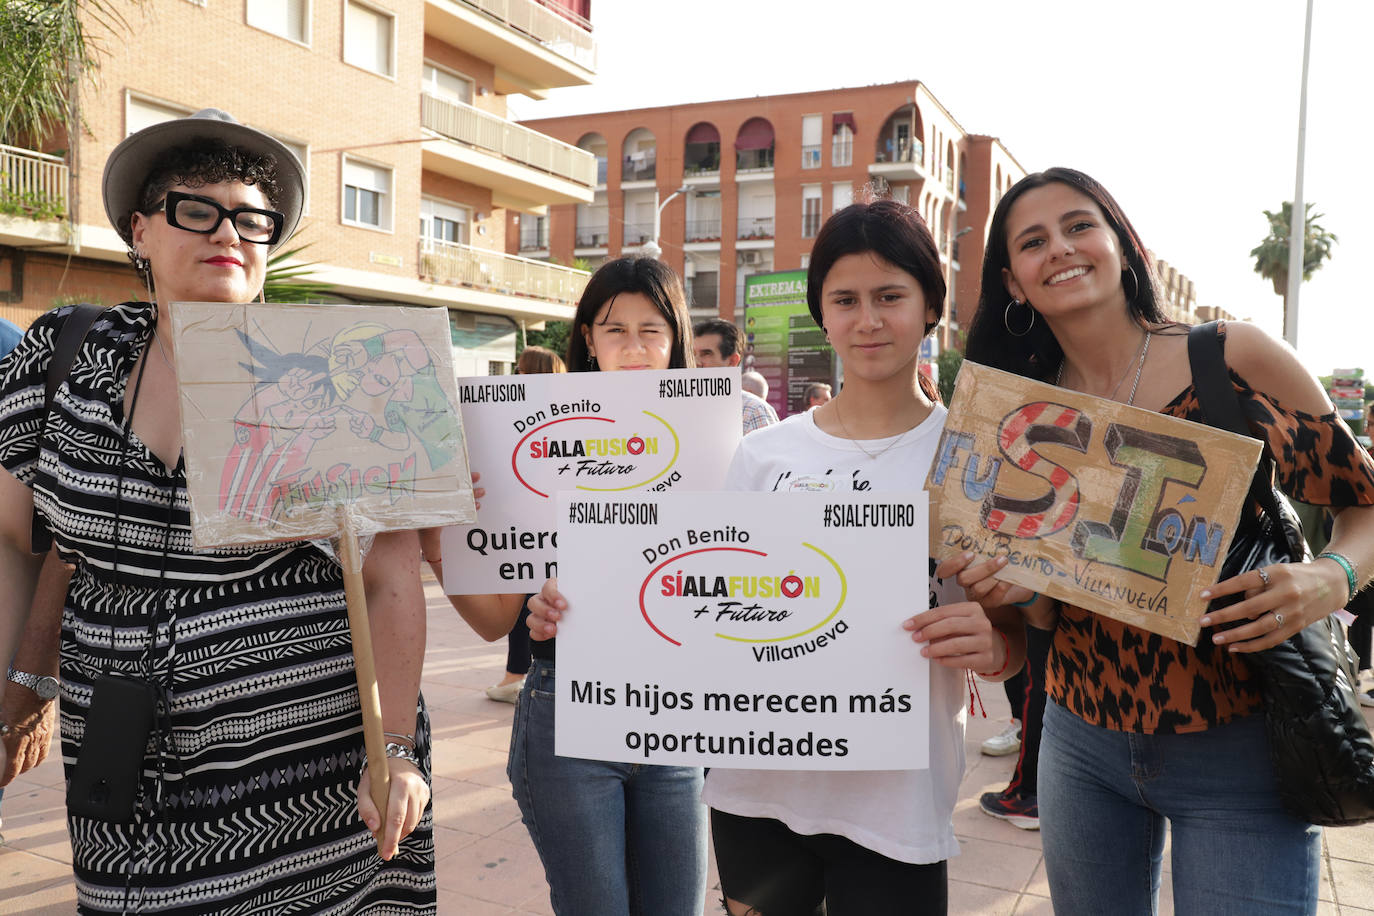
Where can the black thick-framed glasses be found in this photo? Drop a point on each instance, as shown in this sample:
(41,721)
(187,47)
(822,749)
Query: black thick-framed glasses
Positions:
(202,215)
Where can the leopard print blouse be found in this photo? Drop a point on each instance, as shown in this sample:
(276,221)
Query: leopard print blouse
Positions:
(1124,678)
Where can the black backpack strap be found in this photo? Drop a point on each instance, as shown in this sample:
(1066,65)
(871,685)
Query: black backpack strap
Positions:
(69,340)
(1221,406)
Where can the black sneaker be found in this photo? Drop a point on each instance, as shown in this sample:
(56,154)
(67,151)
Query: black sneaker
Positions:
(1020,812)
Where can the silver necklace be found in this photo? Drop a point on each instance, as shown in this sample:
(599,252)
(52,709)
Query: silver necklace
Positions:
(1139,368)
(850,436)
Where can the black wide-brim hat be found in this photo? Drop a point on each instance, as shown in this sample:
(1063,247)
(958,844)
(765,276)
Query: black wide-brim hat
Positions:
(138,154)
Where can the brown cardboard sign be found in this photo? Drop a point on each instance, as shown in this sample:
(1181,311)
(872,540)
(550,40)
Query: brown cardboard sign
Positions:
(293,414)
(1123,511)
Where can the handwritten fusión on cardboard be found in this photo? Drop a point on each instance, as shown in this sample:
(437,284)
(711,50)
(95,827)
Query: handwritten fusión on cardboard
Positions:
(1123,511)
(292,414)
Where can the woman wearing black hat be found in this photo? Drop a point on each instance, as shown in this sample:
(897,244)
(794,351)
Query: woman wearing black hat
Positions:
(243,795)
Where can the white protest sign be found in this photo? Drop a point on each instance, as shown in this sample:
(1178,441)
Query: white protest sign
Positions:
(594,432)
(758,630)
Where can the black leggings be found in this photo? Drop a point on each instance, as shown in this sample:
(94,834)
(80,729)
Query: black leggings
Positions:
(764,864)
(518,643)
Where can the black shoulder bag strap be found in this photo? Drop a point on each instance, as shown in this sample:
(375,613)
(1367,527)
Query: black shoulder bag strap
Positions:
(1221,407)
(69,339)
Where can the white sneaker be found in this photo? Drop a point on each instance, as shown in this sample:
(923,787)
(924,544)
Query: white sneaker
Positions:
(1367,697)
(506,693)
(1008,741)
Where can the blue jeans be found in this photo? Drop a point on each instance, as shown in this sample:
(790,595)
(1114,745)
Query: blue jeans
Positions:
(616,839)
(1104,799)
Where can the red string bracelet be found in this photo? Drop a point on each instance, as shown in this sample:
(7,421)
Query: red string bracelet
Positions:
(1006,660)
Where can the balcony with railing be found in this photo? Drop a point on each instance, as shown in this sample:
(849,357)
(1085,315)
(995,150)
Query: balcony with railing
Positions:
(535,237)
(754,160)
(453,264)
(33,185)
(637,233)
(702,230)
(490,151)
(701,160)
(592,237)
(949,180)
(755,227)
(811,157)
(640,167)
(518,23)
(899,159)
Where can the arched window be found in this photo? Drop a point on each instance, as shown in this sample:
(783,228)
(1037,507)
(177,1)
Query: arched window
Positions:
(900,140)
(754,146)
(641,156)
(701,152)
(595,144)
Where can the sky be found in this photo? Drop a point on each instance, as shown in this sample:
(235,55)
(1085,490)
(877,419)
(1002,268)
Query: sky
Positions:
(1187,112)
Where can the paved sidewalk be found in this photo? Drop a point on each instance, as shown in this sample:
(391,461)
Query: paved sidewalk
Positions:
(487,866)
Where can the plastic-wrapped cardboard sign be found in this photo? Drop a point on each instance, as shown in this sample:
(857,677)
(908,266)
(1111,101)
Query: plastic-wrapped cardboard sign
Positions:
(1119,510)
(293,413)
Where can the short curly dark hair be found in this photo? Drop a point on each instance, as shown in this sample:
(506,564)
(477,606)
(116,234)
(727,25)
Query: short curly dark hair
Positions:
(196,164)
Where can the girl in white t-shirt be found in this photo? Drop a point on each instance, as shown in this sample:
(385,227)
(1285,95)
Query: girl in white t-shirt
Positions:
(788,842)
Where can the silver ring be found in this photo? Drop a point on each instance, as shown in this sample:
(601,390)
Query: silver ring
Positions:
(1264,575)
(1278,620)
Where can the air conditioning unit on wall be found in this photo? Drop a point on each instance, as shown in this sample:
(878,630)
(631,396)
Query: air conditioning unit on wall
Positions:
(750,258)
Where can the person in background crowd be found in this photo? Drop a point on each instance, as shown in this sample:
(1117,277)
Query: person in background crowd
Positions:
(1017,803)
(817,393)
(1141,730)
(717,344)
(754,383)
(10,334)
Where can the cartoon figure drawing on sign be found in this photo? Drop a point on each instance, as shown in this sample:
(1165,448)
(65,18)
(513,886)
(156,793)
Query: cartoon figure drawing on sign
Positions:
(277,427)
(375,361)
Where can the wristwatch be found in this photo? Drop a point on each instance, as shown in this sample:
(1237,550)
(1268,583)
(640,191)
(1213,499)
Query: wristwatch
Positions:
(45,686)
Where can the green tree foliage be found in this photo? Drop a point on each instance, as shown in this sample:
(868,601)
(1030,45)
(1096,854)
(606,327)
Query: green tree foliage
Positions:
(554,337)
(947,365)
(1271,255)
(284,283)
(46,47)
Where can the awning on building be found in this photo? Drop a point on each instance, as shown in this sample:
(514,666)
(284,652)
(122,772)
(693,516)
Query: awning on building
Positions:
(704,132)
(756,133)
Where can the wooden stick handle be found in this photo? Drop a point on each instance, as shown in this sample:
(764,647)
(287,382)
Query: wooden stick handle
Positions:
(365,666)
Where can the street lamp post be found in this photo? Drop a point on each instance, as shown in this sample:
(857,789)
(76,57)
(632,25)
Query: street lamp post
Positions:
(1297,227)
(651,248)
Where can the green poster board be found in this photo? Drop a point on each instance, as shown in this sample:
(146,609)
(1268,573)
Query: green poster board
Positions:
(782,343)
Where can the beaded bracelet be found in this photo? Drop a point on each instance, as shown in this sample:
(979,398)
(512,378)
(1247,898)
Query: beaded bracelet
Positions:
(1351,580)
(1006,658)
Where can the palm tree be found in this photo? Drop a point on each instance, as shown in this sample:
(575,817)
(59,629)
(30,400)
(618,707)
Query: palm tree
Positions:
(46,46)
(287,283)
(1271,255)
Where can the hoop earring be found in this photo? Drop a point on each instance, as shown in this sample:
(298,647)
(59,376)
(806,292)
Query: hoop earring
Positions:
(1135,281)
(1006,318)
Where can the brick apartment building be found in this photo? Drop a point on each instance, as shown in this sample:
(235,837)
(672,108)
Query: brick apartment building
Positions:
(758,176)
(398,109)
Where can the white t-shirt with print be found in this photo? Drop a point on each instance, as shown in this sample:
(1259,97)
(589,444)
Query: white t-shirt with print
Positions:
(905,815)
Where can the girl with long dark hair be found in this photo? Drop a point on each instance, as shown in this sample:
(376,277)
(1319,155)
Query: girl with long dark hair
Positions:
(1142,731)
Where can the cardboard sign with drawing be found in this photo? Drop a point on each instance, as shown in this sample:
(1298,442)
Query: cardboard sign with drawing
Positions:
(1122,511)
(293,412)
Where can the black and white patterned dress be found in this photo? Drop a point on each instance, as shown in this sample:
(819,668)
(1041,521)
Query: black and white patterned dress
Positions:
(249,804)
